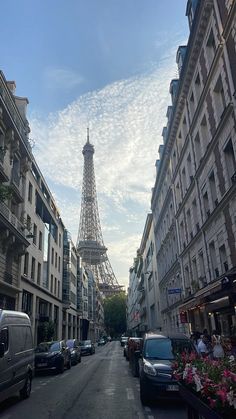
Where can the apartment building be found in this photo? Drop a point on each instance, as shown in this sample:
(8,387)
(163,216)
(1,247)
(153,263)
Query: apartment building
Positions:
(149,298)
(70,317)
(133,306)
(194,197)
(42,264)
(15,161)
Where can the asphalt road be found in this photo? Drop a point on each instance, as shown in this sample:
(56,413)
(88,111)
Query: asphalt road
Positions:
(100,387)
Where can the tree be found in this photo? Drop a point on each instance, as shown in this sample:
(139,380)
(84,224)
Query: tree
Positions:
(115,314)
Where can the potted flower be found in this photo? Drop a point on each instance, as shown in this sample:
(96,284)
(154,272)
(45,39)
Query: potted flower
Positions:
(207,386)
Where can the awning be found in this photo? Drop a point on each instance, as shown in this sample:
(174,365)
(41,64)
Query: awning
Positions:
(199,295)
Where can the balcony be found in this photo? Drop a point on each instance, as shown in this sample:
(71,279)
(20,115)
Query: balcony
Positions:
(8,278)
(16,186)
(11,218)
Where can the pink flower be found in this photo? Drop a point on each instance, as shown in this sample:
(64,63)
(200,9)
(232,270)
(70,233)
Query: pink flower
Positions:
(222,394)
(212,402)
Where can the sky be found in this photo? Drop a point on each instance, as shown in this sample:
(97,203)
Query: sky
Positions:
(106,65)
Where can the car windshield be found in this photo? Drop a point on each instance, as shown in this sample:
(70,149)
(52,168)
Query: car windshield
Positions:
(48,347)
(85,342)
(163,348)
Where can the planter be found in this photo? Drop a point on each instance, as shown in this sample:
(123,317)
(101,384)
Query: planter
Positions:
(197,409)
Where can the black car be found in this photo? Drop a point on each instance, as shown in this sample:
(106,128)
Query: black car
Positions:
(75,351)
(87,347)
(155,365)
(101,342)
(53,355)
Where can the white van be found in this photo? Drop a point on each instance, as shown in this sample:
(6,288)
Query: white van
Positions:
(16,354)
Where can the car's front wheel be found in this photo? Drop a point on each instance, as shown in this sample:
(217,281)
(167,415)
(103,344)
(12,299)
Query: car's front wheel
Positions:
(68,366)
(60,368)
(144,396)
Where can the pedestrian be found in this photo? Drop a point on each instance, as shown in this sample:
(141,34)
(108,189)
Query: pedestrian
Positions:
(201,347)
(195,341)
(218,351)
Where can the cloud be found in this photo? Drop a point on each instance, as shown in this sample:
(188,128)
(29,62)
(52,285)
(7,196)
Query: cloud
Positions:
(125,120)
(56,78)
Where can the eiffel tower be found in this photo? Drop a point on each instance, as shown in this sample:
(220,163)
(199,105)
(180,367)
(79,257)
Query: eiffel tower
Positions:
(90,245)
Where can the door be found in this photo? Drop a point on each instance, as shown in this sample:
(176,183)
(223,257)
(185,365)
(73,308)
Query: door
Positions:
(6,371)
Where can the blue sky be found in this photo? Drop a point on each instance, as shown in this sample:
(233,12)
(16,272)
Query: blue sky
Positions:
(106,64)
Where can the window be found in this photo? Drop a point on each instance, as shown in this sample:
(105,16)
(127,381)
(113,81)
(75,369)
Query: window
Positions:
(35,234)
(190,168)
(59,264)
(39,273)
(59,239)
(230,159)
(52,259)
(4,338)
(26,264)
(212,250)
(28,223)
(56,260)
(223,259)
(30,192)
(205,135)
(197,148)
(184,182)
(40,240)
(33,269)
(210,48)
(27,299)
(213,189)
(51,286)
(202,268)
(206,204)
(55,286)
(219,98)
(197,86)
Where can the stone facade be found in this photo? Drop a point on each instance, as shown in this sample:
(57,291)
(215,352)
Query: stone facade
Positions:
(194,196)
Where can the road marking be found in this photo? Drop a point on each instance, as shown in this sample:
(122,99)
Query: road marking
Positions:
(130,394)
(44,384)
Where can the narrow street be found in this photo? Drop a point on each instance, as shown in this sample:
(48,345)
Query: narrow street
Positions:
(101,387)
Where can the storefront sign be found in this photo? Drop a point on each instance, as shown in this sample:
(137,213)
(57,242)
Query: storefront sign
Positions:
(174,291)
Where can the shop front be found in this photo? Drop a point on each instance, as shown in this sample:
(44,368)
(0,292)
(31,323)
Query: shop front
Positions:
(213,307)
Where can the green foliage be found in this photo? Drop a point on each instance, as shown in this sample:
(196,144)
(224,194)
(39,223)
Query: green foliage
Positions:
(115,314)
(5,192)
(46,331)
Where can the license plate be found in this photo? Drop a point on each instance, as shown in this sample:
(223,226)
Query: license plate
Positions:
(42,364)
(172,388)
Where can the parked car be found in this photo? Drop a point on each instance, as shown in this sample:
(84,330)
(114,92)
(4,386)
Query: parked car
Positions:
(53,355)
(101,342)
(87,347)
(75,351)
(155,365)
(16,354)
(123,340)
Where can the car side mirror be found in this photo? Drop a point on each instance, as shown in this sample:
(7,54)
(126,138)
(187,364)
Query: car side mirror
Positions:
(2,350)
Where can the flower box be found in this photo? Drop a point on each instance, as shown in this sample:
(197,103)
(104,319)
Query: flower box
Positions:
(196,407)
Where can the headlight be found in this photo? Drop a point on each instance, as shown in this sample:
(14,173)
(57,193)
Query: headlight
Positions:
(149,369)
